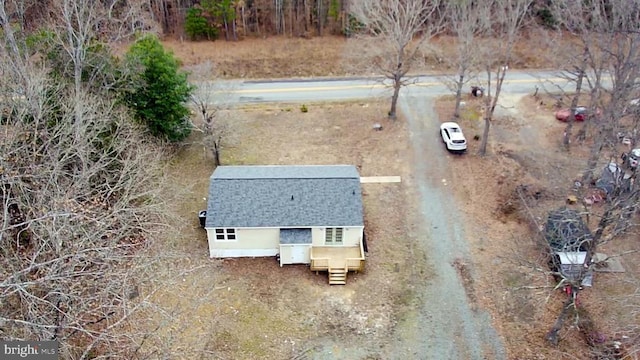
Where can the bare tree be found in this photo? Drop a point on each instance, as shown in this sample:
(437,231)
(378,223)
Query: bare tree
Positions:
(399,28)
(609,55)
(208,102)
(79,201)
(20,82)
(507,17)
(469,20)
(606,59)
(77,209)
(573,58)
(79,24)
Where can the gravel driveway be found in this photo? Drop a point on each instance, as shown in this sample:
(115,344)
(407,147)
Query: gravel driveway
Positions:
(447,324)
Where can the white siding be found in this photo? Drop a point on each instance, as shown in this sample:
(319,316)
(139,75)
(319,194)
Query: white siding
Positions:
(295,254)
(232,253)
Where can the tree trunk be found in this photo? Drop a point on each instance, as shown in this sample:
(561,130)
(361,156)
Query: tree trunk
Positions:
(394,99)
(592,162)
(216,153)
(255,12)
(320,17)
(307,16)
(459,84)
(552,335)
(283,18)
(276,15)
(78,88)
(165,16)
(486,116)
(566,137)
(566,140)
(485,135)
(243,20)
(293,11)
(234,30)
(493,101)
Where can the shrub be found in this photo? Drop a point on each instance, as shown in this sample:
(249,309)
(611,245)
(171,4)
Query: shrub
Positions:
(546,18)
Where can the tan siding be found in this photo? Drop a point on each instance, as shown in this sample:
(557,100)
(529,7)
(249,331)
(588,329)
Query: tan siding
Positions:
(351,236)
(264,238)
(317,236)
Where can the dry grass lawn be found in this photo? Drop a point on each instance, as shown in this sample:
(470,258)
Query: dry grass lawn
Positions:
(278,57)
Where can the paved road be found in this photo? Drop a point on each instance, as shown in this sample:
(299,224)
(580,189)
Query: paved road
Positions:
(247,92)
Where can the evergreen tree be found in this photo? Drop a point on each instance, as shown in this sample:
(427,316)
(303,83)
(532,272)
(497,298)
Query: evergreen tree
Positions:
(196,25)
(159,98)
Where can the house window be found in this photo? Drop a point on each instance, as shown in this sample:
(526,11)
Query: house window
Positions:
(333,236)
(225,234)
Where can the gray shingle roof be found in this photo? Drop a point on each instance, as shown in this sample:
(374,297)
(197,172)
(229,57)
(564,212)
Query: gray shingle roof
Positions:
(285,172)
(284,196)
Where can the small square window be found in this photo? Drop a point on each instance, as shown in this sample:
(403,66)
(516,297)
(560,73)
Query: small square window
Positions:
(223,234)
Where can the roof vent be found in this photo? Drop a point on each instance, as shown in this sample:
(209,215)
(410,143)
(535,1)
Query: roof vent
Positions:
(291,197)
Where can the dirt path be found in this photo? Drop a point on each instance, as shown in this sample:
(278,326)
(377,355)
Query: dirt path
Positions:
(447,323)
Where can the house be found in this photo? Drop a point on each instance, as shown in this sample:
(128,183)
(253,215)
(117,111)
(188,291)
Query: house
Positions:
(303,214)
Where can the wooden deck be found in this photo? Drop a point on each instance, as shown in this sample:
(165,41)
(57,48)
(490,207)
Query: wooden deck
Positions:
(324,258)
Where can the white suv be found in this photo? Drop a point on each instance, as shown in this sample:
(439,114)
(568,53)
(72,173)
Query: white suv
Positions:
(453,137)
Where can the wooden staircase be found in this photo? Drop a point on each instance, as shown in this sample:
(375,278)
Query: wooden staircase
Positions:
(338,276)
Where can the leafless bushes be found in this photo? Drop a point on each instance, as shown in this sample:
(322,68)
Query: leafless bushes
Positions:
(78,203)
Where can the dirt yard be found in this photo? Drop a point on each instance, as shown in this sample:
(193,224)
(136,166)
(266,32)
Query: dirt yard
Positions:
(253,308)
(526,150)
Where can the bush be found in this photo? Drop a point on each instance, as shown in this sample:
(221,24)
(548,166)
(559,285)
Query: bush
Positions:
(158,99)
(353,26)
(546,18)
(304,108)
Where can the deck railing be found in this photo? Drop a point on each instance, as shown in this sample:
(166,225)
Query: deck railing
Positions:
(319,262)
(326,260)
